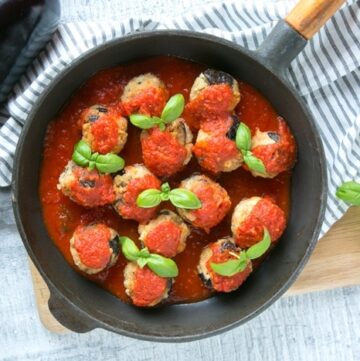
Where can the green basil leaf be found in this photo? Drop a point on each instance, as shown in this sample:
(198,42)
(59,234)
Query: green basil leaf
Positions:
(129,248)
(183,198)
(230,267)
(92,165)
(142,262)
(243,138)
(173,108)
(109,163)
(82,153)
(258,249)
(142,121)
(149,198)
(165,187)
(144,253)
(254,163)
(349,192)
(94,156)
(162,126)
(162,266)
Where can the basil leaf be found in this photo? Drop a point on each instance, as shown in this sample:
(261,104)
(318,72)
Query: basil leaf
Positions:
(82,153)
(165,187)
(183,198)
(162,126)
(94,156)
(144,252)
(173,108)
(129,248)
(92,165)
(149,198)
(258,249)
(142,262)
(162,266)
(109,163)
(349,192)
(254,163)
(142,121)
(230,267)
(165,192)
(243,138)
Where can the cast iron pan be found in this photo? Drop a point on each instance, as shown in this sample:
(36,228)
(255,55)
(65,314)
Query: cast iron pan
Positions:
(81,305)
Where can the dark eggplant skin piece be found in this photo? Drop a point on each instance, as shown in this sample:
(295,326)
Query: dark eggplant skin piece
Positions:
(274,136)
(231,133)
(218,77)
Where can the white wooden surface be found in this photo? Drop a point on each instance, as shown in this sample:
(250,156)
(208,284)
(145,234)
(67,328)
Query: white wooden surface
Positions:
(322,326)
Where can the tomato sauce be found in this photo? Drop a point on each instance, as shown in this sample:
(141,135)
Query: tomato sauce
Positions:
(62,216)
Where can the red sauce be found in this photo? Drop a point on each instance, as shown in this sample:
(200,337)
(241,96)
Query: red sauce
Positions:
(215,204)
(162,153)
(92,245)
(105,132)
(148,287)
(150,101)
(264,214)
(164,239)
(213,152)
(91,189)
(222,283)
(214,100)
(128,209)
(279,156)
(62,216)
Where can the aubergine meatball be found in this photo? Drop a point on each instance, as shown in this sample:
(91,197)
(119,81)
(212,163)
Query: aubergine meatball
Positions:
(215,77)
(86,187)
(144,287)
(94,247)
(165,152)
(103,129)
(215,202)
(221,251)
(134,180)
(217,151)
(251,216)
(277,150)
(165,235)
(145,94)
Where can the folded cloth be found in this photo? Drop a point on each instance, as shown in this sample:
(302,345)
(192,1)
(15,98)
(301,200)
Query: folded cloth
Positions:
(326,74)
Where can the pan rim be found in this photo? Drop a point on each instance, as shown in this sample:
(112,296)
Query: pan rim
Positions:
(78,305)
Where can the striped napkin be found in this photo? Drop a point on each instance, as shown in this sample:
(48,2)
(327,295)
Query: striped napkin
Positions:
(326,74)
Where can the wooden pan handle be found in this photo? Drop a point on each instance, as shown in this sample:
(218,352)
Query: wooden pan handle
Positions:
(308,16)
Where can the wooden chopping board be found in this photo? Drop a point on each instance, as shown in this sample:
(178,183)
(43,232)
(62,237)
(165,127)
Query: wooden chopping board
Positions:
(325,269)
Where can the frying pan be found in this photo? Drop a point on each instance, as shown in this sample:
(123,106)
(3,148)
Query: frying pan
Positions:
(81,305)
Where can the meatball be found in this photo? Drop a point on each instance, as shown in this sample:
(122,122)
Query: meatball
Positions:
(104,130)
(251,216)
(166,152)
(277,150)
(212,105)
(220,252)
(165,235)
(144,287)
(215,77)
(133,180)
(86,187)
(217,151)
(145,94)
(215,202)
(94,247)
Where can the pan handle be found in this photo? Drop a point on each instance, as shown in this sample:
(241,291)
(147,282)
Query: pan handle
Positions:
(65,313)
(290,35)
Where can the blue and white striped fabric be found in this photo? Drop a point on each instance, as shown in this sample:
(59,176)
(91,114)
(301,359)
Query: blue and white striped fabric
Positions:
(326,74)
